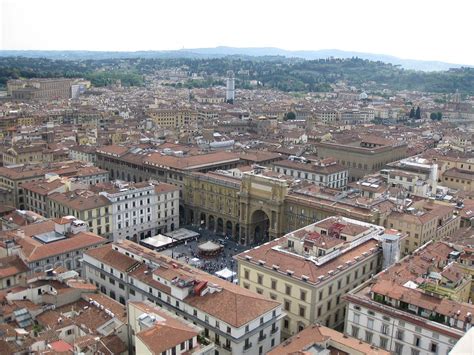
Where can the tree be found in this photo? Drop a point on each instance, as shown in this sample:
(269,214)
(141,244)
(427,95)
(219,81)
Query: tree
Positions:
(436,116)
(418,113)
(290,116)
(412,113)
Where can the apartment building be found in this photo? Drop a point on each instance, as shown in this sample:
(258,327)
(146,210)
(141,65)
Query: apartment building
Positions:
(416,175)
(36,192)
(409,308)
(50,244)
(85,153)
(236,320)
(356,116)
(141,210)
(212,201)
(362,156)
(327,115)
(139,164)
(311,269)
(458,179)
(34,89)
(27,155)
(12,178)
(422,222)
(327,172)
(13,272)
(174,118)
(86,205)
(318,339)
(157,331)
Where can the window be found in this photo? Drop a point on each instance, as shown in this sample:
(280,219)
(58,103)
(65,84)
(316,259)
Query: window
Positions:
(320,295)
(303,295)
(399,335)
(415,352)
(302,311)
(356,318)
(286,323)
(246,274)
(288,289)
(383,342)
(385,329)
(416,340)
(259,279)
(370,323)
(434,347)
(398,349)
(287,305)
(132,292)
(355,331)
(368,337)
(273,284)
(319,311)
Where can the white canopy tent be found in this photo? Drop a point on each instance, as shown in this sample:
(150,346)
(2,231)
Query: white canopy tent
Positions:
(225,274)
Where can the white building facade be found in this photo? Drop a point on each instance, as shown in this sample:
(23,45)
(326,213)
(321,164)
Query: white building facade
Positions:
(142,210)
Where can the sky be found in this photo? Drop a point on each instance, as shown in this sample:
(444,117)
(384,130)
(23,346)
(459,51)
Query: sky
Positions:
(411,29)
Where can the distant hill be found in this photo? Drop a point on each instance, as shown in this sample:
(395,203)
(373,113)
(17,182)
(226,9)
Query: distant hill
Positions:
(219,52)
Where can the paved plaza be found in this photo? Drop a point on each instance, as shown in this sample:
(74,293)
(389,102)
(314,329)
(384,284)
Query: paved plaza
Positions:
(189,250)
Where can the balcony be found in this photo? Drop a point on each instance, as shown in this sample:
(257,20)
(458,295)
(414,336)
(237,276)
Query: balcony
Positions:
(274,330)
(227,347)
(247,346)
(262,337)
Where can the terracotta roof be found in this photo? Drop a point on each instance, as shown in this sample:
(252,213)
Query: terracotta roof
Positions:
(115,150)
(33,250)
(112,345)
(112,257)
(42,187)
(164,188)
(311,167)
(191,162)
(418,298)
(300,266)
(81,200)
(11,265)
(337,342)
(164,334)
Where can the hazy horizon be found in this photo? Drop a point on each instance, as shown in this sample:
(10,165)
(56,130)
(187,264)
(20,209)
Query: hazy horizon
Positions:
(422,30)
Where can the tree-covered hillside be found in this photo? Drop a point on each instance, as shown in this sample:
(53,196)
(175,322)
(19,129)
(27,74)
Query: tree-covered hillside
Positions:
(276,72)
